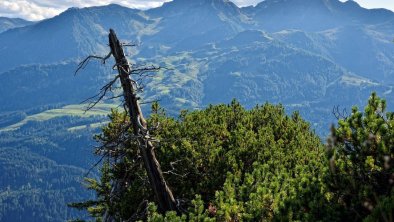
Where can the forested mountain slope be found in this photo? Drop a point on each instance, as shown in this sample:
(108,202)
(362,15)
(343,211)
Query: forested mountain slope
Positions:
(307,55)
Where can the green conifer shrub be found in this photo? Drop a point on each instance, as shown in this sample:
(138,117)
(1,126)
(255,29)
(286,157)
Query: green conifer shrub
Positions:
(361,153)
(225,163)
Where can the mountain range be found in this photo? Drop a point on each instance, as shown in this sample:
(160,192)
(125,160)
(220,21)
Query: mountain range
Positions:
(309,55)
(10,23)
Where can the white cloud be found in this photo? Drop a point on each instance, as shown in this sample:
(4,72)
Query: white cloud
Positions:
(41,9)
(243,3)
(89,3)
(389,4)
(26,9)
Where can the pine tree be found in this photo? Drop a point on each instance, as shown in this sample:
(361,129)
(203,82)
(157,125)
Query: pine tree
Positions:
(361,152)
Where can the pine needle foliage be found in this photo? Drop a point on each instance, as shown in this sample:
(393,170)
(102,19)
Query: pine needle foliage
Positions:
(224,163)
(361,152)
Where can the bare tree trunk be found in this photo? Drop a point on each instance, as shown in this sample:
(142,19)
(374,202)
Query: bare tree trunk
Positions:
(163,194)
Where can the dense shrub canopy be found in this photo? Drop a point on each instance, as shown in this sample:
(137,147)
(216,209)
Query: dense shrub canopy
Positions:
(226,163)
(362,158)
(235,164)
(250,164)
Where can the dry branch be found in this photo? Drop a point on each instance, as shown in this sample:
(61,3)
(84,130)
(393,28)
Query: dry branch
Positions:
(85,62)
(136,130)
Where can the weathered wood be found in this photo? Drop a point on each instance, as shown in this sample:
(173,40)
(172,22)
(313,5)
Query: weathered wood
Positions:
(163,194)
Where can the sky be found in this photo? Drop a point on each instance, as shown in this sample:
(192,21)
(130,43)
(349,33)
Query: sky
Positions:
(34,10)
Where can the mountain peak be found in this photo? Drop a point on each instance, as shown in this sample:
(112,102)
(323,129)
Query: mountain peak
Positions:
(309,3)
(191,2)
(177,5)
(313,15)
(204,9)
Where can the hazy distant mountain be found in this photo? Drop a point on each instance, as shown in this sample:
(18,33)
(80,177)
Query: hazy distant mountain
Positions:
(10,23)
(73,34)
(314,15)
(190,24)
(309,55)
(252,42)
(363,50)
(33,86)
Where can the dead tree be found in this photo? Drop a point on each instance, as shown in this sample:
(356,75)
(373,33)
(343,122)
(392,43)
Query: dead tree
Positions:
(164,197)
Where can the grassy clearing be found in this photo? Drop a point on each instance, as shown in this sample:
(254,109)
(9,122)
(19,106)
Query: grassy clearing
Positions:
(93,125)
(70,110)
